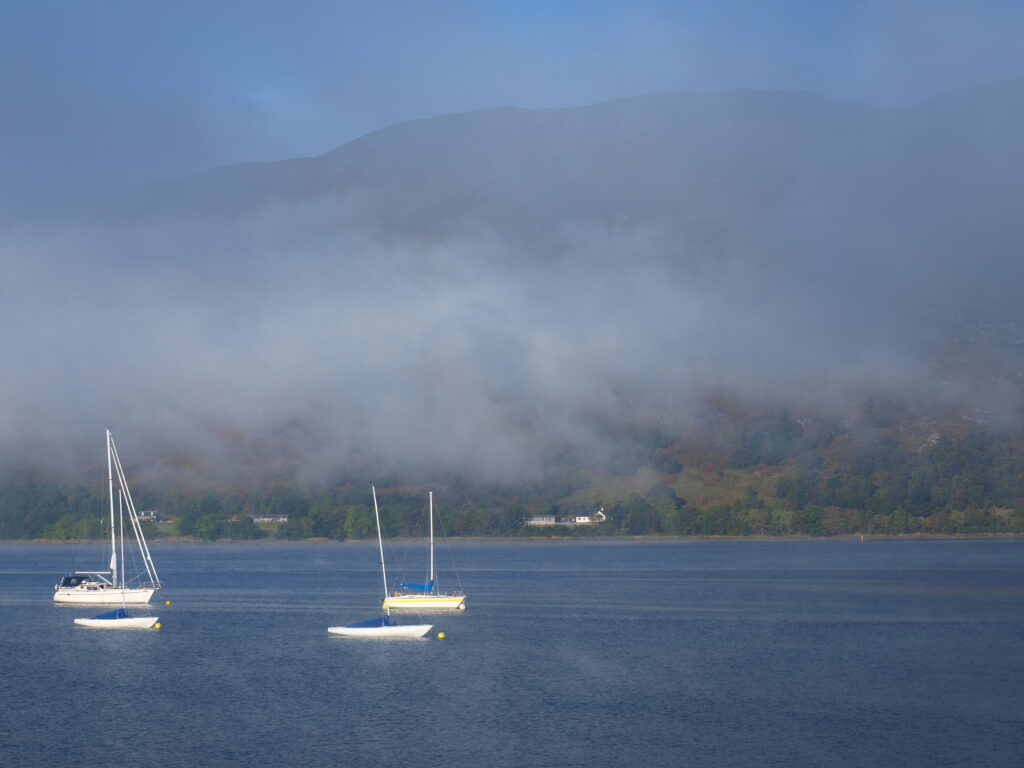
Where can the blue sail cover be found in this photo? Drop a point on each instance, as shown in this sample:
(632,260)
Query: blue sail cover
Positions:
(428,587)
(380,621)
(120,613)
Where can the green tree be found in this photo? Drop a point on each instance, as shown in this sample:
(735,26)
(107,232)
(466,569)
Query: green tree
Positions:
(208,527)
(359,523)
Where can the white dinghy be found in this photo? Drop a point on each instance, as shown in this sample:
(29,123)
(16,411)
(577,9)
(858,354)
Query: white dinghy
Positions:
(120,619)
(382,626)
(111,587)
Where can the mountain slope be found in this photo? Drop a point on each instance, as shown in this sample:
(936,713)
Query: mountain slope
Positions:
(485,291)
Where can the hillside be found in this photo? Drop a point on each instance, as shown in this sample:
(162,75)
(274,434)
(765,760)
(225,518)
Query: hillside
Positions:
(770,474)
(536,299)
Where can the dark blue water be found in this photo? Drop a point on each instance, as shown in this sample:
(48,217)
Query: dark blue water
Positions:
(676,653)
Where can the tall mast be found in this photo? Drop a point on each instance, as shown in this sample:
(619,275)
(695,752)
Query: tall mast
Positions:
(120,517)
(113,529)
(140,537)
(380,541)
(431,582)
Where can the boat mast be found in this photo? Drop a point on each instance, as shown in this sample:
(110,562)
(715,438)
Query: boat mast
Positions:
(431,582)
(113,529)
(133,516)
(380,540)
(120,516)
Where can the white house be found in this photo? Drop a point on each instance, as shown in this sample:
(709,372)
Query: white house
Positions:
(588,518)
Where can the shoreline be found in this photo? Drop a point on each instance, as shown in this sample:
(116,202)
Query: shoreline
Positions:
(650,537)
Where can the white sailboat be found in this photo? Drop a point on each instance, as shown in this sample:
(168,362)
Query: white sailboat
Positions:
(111,587)
(418,597)
(382,626)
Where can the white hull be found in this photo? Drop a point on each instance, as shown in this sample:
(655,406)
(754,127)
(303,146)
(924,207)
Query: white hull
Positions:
(426,602)
(104,596)
(133,622)
(399,630)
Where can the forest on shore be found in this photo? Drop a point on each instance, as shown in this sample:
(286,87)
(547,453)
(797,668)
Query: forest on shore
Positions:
(774,475)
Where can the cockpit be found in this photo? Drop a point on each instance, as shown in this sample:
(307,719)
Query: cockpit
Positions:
(78,580)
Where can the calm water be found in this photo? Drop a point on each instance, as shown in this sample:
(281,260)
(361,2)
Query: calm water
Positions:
(795,653)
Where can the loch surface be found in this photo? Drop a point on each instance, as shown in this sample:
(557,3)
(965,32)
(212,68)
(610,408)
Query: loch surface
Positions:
(571,653)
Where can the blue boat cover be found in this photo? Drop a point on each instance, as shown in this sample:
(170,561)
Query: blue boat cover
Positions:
(428,587)
(380,621)
(120,613)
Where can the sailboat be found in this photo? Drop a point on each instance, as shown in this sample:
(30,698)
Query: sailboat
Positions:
(111,587)
(426,596)
(382,626)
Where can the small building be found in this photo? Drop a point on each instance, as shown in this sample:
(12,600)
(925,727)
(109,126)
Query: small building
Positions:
(544,520)
(270,518)
(589,518)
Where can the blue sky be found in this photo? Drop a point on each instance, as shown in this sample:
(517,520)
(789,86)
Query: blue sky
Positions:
(107,93)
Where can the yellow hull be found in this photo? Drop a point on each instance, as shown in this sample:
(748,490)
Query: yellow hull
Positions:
(426,602)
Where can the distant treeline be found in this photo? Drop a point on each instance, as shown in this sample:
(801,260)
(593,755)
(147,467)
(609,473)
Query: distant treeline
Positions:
(45,510)
(829,483)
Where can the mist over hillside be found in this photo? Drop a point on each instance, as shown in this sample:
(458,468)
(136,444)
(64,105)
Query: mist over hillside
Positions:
(500,294)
